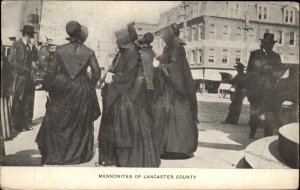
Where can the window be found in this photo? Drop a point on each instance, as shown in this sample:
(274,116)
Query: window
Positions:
(286,18)
(280,36)
(236,9)
(265,13)
(225,32)
(289,16)
(251,34)
(189,34)
(238,33)
(201,32)
(211,56)
(259,13)
(200,55)
(262,12)
(195,33)
(292,38)
(238,56)
(194,57)
(225,56)
(233,9)
(212,31)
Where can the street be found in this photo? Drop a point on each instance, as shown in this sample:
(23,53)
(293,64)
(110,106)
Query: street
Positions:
(219,145)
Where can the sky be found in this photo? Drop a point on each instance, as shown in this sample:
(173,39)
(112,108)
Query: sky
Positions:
(101,17)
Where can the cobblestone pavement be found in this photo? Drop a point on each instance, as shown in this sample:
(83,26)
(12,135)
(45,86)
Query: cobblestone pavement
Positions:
(219,145)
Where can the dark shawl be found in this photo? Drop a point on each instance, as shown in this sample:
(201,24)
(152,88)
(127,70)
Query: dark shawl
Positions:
(128,79)
(177,72)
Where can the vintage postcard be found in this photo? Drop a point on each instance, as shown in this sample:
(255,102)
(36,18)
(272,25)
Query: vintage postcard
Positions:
(149,94)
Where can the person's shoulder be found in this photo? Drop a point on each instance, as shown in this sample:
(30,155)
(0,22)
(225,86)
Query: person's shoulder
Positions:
(86,48)
(273,53)
(257,51)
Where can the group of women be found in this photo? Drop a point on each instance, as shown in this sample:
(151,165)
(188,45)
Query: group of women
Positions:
(148,113)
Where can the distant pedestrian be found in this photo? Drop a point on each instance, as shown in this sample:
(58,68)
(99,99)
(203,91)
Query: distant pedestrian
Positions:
(175,104)
(66,135)
(23,92)
(237,101)
(262,77)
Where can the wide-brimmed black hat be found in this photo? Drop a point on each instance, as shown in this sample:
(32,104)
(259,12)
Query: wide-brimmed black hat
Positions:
(126,35)
(29,30)
(239,66)
(268,37)
(76,30)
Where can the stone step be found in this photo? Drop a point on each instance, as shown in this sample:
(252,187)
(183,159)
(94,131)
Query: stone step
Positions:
(288,144)
(264,154)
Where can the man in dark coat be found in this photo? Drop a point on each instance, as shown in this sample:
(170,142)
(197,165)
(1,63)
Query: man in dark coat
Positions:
(21,61)
(262,77)
(237,101)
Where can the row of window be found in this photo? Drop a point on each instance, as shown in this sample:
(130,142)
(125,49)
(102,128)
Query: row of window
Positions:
(195,34)
(211,56)
(196,56)
(262,12)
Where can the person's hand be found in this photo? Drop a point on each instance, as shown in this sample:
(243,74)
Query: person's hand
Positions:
(108,78)
(155,63)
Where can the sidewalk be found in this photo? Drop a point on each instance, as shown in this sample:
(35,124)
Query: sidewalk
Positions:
(219,145)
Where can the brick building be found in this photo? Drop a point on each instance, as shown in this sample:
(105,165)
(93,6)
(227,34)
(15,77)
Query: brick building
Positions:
(220,33)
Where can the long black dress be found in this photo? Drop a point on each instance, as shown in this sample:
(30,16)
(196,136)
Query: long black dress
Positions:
(126,137)
(66,133)
(175,105)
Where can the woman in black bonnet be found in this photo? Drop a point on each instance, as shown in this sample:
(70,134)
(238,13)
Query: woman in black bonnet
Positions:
(175,103)
(66,135)
(126,130)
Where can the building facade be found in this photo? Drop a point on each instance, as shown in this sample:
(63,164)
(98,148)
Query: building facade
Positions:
(220,33)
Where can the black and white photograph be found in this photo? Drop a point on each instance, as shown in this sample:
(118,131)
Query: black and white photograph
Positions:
(151,87)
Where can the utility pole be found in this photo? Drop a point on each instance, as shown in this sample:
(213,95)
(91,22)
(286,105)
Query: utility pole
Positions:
(246,31)
(185,17)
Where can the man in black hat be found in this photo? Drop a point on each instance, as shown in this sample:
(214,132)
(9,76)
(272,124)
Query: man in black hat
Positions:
(21,60)
(236,105)
(262,76)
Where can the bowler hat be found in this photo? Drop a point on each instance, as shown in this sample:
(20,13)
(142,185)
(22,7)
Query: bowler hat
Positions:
(239,66)
(76,30)
(29,30)
(268,37)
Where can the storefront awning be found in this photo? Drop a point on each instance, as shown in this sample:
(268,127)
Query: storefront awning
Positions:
(210,74)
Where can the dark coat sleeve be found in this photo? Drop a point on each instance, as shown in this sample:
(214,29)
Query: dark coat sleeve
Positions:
(251,61)
(95,69)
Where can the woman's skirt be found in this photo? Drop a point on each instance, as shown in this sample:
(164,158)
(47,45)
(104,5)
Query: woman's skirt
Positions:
(126,136)
(175,129)
(66,133)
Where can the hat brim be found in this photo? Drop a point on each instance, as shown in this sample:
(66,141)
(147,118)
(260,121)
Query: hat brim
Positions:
(274,41)
(84,33)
